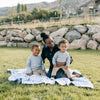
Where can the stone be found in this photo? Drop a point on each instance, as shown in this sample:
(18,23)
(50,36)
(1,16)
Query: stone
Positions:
(11,44)
(60,33)
(92,44)
(72,35)
(22,34)
(16,39)
(7,38)
(74,45)
(35,32)
(52,29)
(9,32)
(47,32)
(22,44)
(3,43)
(57,39)
(80,43)
(29,38)
(96,37)
(31,44)
(2,38)
(15,33)
(38,38)
(92,29)
(80,28)
(99,47)
(3,33)
(85,37)
(28,31)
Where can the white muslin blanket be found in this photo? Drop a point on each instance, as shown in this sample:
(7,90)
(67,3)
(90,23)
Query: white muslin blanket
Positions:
(20,76)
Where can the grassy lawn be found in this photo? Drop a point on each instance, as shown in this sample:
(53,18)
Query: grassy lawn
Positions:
(87,62)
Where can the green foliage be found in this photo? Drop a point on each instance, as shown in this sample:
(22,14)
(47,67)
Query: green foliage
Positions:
(36,13)
(86,61)
(21,8)
(1,29)
(18,8)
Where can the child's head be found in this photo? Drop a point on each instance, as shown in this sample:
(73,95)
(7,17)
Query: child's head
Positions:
(35,49)
(63,45)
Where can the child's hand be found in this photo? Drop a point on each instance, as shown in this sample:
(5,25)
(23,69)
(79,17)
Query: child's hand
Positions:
(30,74)
(44,71)
(54,65)
(66,67)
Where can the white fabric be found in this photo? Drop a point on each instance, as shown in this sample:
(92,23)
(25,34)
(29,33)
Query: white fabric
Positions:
(20,76)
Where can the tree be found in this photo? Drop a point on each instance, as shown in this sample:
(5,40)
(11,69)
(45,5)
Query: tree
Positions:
(11,13)
(22,8)
(18,8)
(26,8)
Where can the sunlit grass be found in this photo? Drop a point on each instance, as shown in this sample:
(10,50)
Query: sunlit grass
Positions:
(87,62)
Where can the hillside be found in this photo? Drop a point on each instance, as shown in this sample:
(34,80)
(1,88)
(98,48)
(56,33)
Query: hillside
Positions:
(53,5)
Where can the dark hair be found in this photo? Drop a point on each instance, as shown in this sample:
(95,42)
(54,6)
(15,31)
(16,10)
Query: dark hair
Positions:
(62,41)
(35,45)
(44,36)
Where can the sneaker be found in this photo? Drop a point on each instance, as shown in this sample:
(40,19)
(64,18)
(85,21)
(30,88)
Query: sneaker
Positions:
(70,79)
(52,78)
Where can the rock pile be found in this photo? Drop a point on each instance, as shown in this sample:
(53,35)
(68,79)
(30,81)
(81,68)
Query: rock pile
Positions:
(79,37)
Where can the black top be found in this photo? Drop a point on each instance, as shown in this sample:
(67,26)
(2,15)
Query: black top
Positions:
(46,53)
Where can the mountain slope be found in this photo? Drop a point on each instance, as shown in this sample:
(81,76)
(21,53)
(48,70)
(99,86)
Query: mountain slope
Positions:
(53,5)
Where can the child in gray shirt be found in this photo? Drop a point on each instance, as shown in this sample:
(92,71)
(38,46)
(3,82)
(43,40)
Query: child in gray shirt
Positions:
(34,62)
(61,59)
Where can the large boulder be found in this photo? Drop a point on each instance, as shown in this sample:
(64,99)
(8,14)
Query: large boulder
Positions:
(52,29)
(23,34)
(92,44)
(31,44)
(11,44)
(2,38)
(29,38)
(7,38)
(74,45)
(16,39)
(57,39)
(85,37)
(3,33)
(22,44)
(38,38)
(72,35)
(96,37)
(61,32)
(99,47)
(92,29)
(47,32)
(15,33)
(80,28)
(80,43)
(35,32)
(3,43)
(9,32)
(28,31)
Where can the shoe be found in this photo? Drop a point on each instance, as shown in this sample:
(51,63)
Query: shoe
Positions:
(70,79)
(52,78)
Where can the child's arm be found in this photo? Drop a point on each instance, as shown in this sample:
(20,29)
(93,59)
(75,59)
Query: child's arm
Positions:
(42,65)
(43,55)
(54,60)
(28,67)
(67,61)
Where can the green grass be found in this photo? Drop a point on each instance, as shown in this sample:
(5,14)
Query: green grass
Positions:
(87,62)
